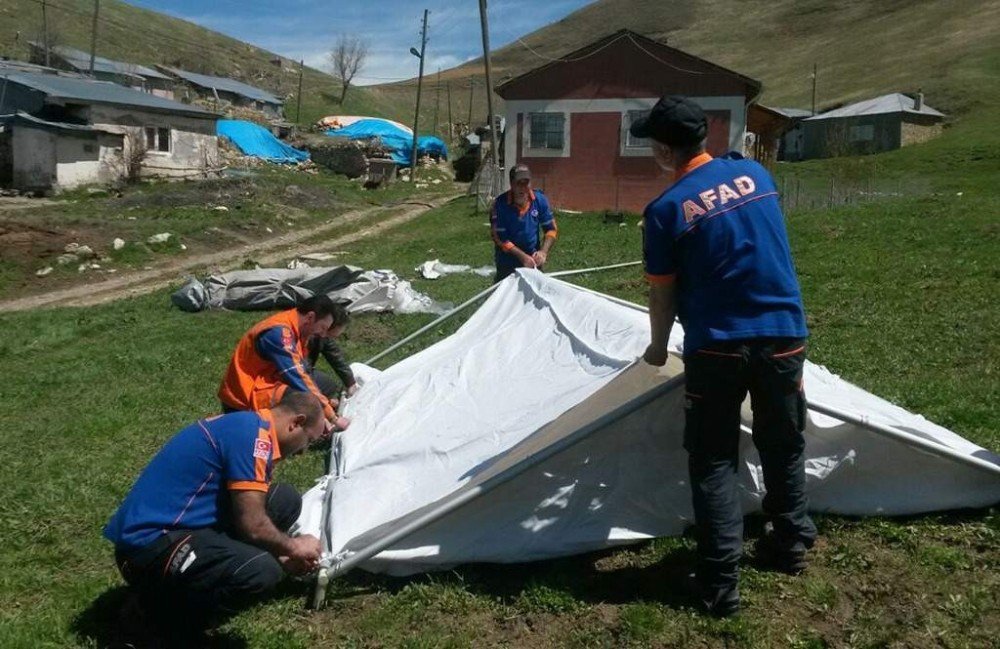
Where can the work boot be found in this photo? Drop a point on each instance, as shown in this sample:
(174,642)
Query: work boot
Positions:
(720,602)
(771,553)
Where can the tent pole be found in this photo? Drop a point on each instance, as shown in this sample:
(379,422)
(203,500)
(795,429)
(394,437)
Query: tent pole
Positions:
(446,508)
(906,438)
(432,324)
(479,296)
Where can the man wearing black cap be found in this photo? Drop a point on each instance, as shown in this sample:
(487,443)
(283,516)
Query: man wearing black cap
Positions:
(717,256)
(515,219)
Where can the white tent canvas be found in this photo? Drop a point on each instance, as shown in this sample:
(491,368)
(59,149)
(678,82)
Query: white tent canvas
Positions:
(532,432)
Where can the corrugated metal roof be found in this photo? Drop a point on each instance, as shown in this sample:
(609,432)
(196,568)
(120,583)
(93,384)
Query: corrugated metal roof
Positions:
(224,84)
(21,116)
(80,61)
(886,104)
(102,92)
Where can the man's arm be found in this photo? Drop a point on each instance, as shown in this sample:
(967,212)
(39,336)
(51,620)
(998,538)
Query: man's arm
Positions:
(662,309)
(298,555)
(279,346)
(548,223)
(335,356)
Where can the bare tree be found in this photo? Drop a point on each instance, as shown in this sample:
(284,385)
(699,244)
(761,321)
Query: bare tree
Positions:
(348,57)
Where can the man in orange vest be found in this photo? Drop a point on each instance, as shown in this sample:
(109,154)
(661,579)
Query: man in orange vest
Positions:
(269,360)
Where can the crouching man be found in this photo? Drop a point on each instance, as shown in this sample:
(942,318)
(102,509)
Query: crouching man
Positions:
(203,532)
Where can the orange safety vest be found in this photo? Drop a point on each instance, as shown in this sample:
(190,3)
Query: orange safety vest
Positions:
(253,382)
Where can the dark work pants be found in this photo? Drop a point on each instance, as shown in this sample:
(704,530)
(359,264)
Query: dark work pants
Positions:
(718,379)
(199,574)
(505,270)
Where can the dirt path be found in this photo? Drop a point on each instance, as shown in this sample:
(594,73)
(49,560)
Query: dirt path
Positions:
(267,251)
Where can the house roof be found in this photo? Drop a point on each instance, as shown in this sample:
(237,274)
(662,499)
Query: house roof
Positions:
(101,92)
(793,113)
(640,41)
(21,116)
(224,84)
(80,61)
(886,104)
(10,65)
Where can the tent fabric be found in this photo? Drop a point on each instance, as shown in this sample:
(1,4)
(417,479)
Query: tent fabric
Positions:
(393,136)
(255,140)
(538,362)
(282,288)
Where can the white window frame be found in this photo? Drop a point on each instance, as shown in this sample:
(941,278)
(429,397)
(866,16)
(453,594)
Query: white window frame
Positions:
(153,147)
(627,148)
(526,149)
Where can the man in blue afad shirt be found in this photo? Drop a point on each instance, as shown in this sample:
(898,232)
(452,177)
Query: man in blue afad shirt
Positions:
(717,256)
(204,531)
(515,219)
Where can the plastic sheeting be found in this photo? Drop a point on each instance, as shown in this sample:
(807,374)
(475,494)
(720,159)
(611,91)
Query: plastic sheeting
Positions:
(434,269)
(340,121)
(539,362)
(393,137)
(282,288)
(255,140)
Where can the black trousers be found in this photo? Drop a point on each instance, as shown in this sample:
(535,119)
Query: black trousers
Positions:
(203,573)
(718,379)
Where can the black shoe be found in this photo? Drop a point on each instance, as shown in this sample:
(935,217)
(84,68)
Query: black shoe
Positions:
(717,602)
(772,554)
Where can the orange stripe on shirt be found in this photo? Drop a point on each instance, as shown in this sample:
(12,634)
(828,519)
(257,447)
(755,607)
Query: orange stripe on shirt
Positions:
(661,280)
(246,485)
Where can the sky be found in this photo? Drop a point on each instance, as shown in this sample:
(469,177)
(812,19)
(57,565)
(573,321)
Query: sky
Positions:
(308,29)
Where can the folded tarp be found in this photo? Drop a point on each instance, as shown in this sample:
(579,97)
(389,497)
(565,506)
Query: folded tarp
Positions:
(255,140)
(430,145)
(532,432)
(282,288)
(340,121)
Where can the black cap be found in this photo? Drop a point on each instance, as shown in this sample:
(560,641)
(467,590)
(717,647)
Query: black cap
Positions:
(674,121)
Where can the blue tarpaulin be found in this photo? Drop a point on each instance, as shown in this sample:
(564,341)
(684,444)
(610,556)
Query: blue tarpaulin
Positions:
(255,140)
(398,141)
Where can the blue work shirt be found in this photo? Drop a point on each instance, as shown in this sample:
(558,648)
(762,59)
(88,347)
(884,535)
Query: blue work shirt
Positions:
(719,233)
(513,226)
(183,484)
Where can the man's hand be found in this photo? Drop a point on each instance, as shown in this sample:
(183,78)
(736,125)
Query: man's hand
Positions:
(303,555)
(655,355)
(527,260)
(352,389)
(540,258)
(341,423)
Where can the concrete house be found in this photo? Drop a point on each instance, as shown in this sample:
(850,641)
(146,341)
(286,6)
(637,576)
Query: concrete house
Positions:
(230,91)
(60,132)
(880,124)
(130,75)
(569,119)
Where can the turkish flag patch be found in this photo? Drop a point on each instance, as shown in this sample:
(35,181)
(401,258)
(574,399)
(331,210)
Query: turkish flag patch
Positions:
(262,449)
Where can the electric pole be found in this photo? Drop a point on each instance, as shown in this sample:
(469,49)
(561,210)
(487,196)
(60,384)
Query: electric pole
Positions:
(489,84)
(451,124)
(420,82)
(298,96)
(814,89)
(45,33)
(472,86)
(93,36)
(437,102)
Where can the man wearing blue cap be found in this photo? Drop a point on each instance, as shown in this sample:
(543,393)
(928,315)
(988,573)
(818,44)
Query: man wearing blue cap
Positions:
(515,220)
(717,256)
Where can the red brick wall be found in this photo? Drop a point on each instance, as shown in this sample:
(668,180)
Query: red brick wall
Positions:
(596,176)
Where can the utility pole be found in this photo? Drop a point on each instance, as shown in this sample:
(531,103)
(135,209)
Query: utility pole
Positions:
(814,89)
(437,102)
(45,33)
(489,84)
(298,96)
(93,36)
(451,124)
(420,83)
(472,86)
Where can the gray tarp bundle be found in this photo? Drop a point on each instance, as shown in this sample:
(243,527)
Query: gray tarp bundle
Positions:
(277,288)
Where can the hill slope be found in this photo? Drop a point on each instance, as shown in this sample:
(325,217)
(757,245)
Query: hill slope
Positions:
(862,47)
(138,35)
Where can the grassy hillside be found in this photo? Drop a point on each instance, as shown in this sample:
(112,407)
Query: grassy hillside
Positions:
(862,47)
(146,37)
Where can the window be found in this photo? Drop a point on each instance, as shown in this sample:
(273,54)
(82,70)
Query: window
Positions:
(546,131)
(157,139)
(632,142)
(863,133)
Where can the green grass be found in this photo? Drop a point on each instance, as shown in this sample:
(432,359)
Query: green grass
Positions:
(900,294)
